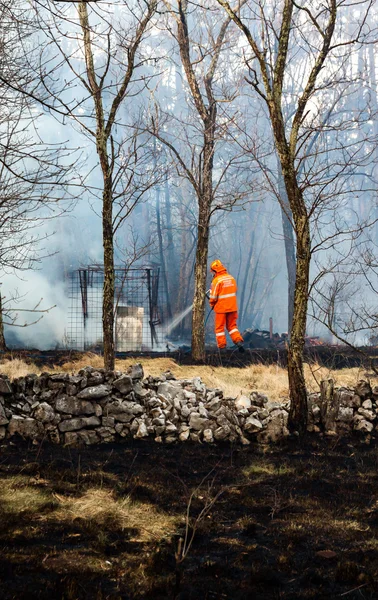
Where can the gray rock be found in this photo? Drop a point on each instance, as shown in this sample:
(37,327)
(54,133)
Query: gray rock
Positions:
(96,378)
(124,417)
(88,437)
(55,385)
(222,433)
(141,432)
(5,387)
(367,414)
(78,423)
(222,421)
(169,375)
(44,413)
(124,384)
(136,372)
(276,428)
(169,390)
(74,379)
(141,392)
(262,413)
(156,412)
(363,389)
(198,385)
(244,412)
(184,434)
(243,402)
(214,404)
(108,421)
(367,404)
(27,428)
(349,398)
(185,412)
(3,417)
(170,427)
(345,414)
(252,425)
(97,409)
(74,406)
(202,411)
(92,393)
(47,395)
(362,425)
(123,406)
(190,396)
(208,436)
(258,399)
(59,377)
(53,433)
(154,402)
(71,439)
(197,422)
(71,389)
(2,433)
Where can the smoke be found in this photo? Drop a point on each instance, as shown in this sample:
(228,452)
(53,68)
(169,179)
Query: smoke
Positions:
(25,293)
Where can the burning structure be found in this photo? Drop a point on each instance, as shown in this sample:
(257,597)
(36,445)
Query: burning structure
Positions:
(139,316)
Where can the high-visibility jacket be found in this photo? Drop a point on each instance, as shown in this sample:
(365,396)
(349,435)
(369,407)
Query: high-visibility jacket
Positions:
(223,293)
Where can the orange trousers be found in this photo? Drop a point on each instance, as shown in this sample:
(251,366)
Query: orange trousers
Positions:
(227,320)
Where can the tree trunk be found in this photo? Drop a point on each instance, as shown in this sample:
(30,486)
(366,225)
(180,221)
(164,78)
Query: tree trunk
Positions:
(200,276)
(202,251)
(171,258)
(288,233)
(298,394)
(108,293)
(329,406)
(3,346)
(181,299)
(161,253)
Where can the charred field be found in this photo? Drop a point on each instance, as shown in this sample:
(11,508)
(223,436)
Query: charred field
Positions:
(267,523)
(337,357)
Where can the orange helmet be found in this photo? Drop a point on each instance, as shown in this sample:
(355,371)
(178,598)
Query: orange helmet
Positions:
(217,266)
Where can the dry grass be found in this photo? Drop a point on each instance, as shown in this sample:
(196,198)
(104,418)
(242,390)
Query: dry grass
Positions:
(19,495)
(268,379)
(100,507)
(17,368)
(95,510)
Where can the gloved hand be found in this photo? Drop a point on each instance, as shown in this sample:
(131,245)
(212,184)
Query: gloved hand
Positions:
(207,294)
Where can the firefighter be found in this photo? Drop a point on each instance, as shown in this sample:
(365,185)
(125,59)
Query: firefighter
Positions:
(222,298)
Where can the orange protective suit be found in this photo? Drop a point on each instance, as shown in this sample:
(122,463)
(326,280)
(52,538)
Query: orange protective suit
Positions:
(223,300)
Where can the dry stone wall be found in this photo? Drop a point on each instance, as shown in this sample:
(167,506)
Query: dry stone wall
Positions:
(93,407)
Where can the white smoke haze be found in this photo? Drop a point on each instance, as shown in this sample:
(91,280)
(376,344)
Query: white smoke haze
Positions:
(250,242)
(26,293)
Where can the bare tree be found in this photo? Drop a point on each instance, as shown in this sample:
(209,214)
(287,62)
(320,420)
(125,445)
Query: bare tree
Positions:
(37,179)
(270,42)
(93,96)
(193,143)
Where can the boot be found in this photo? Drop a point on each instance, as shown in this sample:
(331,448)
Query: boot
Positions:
(240,346)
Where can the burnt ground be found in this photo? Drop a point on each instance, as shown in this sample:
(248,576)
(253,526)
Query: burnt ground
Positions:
(288,522)
(333,357)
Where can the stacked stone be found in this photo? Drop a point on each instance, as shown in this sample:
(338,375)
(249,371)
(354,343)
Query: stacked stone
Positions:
(356,410)
(97,407)
(93,407)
